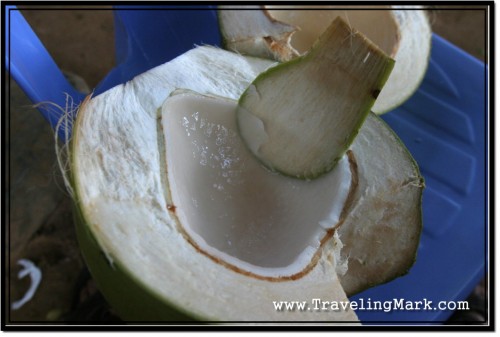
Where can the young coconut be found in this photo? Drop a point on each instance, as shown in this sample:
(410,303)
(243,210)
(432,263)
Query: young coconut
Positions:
(300,117)
(177,220)
(403,32)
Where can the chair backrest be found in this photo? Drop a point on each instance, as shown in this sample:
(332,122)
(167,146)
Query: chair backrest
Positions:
(32,67)
(139,47)
(167,34)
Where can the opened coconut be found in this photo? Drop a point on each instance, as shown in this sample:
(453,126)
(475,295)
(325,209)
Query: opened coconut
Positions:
(285,32)
(178,220)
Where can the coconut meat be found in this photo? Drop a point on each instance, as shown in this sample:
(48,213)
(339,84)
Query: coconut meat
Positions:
(233,208)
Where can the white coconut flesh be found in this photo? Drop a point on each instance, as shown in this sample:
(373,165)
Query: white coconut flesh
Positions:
(172,197)
(232,207)
(404,33)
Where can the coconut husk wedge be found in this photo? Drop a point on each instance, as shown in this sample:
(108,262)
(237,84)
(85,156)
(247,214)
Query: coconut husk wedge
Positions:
(300,117)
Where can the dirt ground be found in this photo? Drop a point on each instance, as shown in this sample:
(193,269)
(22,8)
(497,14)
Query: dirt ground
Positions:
(40,223)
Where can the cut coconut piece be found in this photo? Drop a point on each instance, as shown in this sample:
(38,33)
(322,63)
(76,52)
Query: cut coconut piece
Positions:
(147,232)
(300,117)
(403,32)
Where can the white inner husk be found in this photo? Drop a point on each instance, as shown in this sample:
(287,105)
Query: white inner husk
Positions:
(121,187)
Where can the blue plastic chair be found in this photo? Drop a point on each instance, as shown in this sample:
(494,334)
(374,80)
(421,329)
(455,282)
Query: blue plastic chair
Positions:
(443,125)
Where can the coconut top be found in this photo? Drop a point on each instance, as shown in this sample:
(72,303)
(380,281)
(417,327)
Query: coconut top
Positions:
(403,32)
